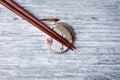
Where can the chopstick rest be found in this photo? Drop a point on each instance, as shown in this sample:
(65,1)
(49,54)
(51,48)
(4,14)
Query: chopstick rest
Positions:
(63,30)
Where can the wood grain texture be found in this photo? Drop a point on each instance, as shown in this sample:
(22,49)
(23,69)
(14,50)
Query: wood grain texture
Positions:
(96,23)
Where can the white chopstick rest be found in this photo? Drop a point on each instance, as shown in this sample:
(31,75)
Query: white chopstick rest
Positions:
(65,32)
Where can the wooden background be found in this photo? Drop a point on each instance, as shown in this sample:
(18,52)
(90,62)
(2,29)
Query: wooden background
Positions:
(96,23)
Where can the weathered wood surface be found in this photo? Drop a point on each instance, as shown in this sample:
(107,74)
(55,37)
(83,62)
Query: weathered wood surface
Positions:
(23,55)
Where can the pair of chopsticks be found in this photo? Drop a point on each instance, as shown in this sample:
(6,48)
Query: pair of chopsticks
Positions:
(14,7)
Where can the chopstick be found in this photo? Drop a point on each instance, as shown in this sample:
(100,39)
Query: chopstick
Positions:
(35,22)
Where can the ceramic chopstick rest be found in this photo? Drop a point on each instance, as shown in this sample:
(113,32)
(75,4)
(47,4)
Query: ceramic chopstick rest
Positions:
(63,30)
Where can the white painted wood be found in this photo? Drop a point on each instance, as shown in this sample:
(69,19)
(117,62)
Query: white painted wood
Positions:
(96,23)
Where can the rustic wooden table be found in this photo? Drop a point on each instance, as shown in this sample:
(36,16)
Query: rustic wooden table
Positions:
(96,23)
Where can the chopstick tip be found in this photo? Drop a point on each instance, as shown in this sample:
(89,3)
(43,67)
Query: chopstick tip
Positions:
(72,47)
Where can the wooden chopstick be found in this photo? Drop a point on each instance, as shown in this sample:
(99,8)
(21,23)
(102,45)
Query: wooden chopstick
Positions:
(29,20)
(37,21)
